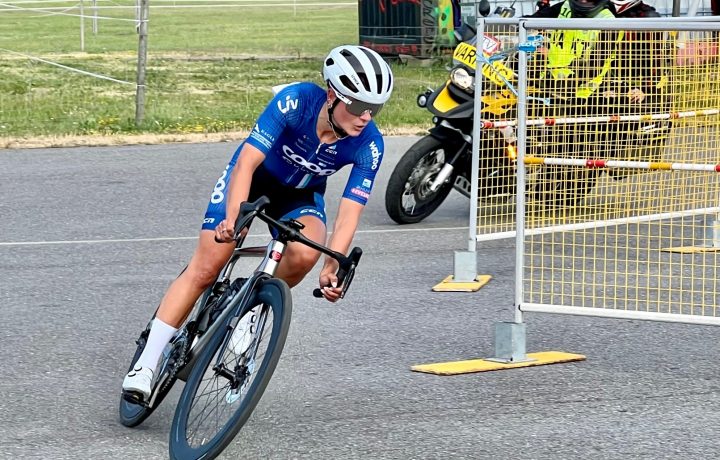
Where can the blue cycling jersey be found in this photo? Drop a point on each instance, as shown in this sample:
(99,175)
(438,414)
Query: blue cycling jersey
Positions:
(286,133)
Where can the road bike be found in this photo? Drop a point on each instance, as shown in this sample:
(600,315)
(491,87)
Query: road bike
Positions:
(229,346)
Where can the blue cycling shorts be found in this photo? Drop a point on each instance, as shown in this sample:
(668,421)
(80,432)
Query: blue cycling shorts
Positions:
(285,202)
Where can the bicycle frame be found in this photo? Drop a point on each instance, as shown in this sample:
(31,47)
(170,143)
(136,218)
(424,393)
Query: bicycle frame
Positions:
(287,232)
(266,269)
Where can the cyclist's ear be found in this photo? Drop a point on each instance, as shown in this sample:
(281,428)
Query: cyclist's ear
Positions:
(331,96)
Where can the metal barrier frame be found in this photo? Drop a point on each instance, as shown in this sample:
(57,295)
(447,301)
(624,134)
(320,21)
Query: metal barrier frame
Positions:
(510,336)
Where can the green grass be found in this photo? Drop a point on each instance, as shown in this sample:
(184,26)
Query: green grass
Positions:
(209,70)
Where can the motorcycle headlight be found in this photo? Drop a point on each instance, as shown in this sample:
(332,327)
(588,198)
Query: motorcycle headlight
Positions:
(462,79)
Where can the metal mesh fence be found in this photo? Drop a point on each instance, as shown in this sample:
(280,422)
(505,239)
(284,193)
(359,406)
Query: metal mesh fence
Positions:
(622,187)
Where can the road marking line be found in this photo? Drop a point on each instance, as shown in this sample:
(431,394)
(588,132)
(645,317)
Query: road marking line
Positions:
(181,238)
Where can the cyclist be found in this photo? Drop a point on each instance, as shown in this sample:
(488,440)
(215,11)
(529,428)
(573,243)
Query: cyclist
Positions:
(305,134)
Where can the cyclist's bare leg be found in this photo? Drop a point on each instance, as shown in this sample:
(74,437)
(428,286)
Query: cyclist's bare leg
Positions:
(204,266)
(299,259)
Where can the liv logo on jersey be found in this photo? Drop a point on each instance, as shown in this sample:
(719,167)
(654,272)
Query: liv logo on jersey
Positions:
(297,159)
(289,105)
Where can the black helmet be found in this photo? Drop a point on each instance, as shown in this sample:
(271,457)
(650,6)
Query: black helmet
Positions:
(587,8)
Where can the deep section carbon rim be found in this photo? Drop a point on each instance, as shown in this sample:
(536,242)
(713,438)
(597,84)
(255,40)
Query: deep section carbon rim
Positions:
(231,374)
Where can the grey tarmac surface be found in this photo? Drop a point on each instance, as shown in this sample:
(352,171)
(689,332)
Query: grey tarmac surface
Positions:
(91,237)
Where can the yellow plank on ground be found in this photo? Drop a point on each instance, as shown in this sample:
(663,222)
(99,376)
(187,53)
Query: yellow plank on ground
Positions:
(691,249)
(483,365)
(448,285)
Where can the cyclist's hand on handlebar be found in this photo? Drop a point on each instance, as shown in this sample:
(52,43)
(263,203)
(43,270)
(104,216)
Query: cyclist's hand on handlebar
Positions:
(224,232)
(329,283)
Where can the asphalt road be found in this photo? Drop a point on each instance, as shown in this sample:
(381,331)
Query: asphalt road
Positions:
(91,237)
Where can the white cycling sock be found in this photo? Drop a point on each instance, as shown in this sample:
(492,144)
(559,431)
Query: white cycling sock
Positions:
(160,335)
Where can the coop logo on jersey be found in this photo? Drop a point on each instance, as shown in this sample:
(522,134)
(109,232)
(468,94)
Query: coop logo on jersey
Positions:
(376,154)
(297,159)
(331,150)
(290,104)
(262,136)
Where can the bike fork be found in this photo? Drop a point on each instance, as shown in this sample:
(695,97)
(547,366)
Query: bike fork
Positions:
(446,170)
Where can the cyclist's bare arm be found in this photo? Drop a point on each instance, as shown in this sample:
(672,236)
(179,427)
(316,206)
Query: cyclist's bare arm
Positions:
(240,179)
(346,224)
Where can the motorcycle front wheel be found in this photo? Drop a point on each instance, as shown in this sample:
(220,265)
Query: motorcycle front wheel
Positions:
(408,198)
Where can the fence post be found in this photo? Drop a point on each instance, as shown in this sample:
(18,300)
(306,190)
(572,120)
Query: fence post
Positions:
(142,61)
(465,262)
(82,26)
(510,336)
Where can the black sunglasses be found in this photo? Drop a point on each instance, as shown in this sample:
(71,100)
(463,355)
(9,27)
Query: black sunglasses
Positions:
(359,108)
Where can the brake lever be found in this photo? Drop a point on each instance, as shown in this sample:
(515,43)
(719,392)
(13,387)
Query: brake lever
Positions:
(345,284)
(344,275)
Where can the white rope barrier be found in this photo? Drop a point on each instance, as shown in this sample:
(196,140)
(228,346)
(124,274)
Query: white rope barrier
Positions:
(72,69)
(154,7)
(59,11)
(648,165)
(487,124)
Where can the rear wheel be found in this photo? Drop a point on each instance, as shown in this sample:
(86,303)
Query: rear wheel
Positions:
(223,387)
(133,412)
(408,198)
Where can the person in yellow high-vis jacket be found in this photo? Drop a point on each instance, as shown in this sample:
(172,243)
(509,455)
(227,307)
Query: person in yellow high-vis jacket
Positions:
(573,68)
(577,62)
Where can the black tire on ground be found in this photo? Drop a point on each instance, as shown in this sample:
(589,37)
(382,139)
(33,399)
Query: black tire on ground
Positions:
(419,165)
(133,414)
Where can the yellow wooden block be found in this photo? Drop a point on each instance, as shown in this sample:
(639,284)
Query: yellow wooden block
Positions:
(483,365)
(691,249)
(448,285)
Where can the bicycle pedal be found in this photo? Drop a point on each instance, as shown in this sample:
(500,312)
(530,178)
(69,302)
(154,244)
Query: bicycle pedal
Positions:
(134,398)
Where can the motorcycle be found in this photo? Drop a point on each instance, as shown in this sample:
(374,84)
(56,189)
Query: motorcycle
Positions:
(441,160)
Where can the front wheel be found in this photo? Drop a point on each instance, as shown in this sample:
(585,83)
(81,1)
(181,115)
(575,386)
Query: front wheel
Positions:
(231,374)
(408,198)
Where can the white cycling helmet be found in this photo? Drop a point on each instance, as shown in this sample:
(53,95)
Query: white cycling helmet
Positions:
(622,5)
(360,78)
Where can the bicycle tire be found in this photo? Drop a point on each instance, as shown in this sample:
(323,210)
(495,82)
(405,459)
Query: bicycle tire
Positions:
(133,414)
(275,294)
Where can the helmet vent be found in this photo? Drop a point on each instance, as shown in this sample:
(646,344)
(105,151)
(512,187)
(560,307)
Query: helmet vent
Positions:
(358,67)
(348,84)
(389,83)
(376,69)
